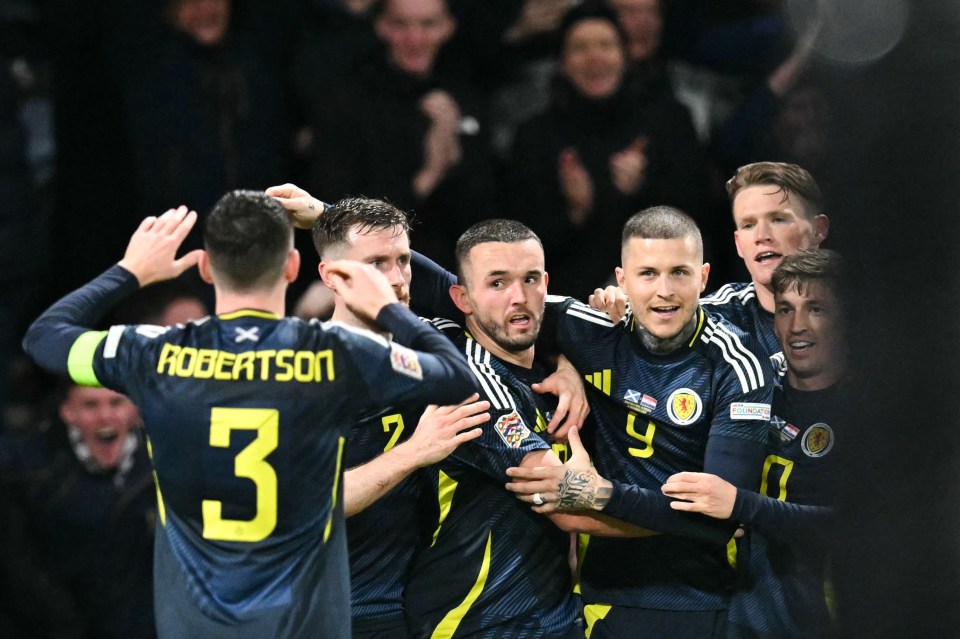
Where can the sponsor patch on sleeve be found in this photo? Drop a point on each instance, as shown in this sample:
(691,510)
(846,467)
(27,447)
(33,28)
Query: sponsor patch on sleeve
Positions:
(750,410)
(511,429)
(404,360)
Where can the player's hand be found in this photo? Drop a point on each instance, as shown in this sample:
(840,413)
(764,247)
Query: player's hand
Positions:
(576,185)
(612,300)
(567,384)
(151,254)
(302,208)
(701,493)
(442,428)
(364,289)
(572,486)
(628,168)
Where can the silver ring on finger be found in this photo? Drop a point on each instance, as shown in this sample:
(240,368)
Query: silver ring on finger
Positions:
(537,499)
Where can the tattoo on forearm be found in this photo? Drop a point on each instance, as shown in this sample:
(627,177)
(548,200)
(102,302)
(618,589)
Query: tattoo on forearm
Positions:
(580,490)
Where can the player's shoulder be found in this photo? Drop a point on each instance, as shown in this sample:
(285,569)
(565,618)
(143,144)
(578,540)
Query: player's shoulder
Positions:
(730,297)
(730,348)
(498,384)
(576,313)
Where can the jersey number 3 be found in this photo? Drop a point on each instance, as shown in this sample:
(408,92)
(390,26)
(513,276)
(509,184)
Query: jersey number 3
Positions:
(248,463)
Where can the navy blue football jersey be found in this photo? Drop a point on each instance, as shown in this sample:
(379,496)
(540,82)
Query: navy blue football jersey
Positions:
(246,415)
(657,415)
(782,583)
(737,303)
(492,567)
(382,538)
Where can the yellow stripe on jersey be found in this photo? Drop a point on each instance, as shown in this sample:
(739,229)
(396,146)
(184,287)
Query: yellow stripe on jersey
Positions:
(249,313)
(583,540)
(701,318)
(600,379)
(451,621)
(732,552)
(80,359)
(161,509)
(593,613)
(447,486)
(336,487)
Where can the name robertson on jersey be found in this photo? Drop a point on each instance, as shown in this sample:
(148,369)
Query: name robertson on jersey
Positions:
(284,365)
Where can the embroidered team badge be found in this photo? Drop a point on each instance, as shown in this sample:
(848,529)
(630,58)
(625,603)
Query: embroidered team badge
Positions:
(684,406)
(818,440)
(639,402)
(403,360)
(511,429)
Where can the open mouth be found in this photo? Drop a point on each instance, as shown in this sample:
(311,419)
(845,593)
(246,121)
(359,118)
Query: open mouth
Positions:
(520,320)
(768,256)
(107,435)
(801,345)
(665,311)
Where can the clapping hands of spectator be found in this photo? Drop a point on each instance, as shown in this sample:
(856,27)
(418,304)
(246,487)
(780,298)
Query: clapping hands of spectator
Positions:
(628,168)
(441,145)
(576,185)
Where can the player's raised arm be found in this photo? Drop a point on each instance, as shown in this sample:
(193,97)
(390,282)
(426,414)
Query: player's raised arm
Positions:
(151,256)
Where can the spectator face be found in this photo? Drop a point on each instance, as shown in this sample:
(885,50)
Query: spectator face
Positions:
(663,280)
(593,58)
(103,418)
(770,227)
(181,311)
(414,32)
(643,23)
(808,326)
(504,293)
(387,250)
(205,21)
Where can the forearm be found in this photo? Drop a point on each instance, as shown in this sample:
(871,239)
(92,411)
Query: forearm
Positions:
(364,485)
(49,339)
(443,362)
(430,289)
(780,519)
(651,509)
(597,524)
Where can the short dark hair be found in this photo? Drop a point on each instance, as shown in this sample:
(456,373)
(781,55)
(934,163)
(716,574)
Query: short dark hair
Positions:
(495,230)
(361,213)
(248,237)
(799,269)
(789,179)
(662,223)
(589,10)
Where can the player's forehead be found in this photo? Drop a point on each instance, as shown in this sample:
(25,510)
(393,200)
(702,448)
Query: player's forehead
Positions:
(364,241)
(813,291)
(491,258)
(766,199)
(662,254)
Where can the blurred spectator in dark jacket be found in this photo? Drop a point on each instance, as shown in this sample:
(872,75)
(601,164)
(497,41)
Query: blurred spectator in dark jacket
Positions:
(409,127)
(204,104)
(82,505)
(604,149)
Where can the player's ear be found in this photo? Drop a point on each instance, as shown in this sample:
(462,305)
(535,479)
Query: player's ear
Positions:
(821,227)
(704,276)
(292,269)
(620,278)
(458,293)
(323,269)
(203,266)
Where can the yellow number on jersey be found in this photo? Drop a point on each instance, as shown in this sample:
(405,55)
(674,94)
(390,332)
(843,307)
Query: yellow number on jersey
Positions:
(768,464)
(646,437)
(392,420)
(248,463)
